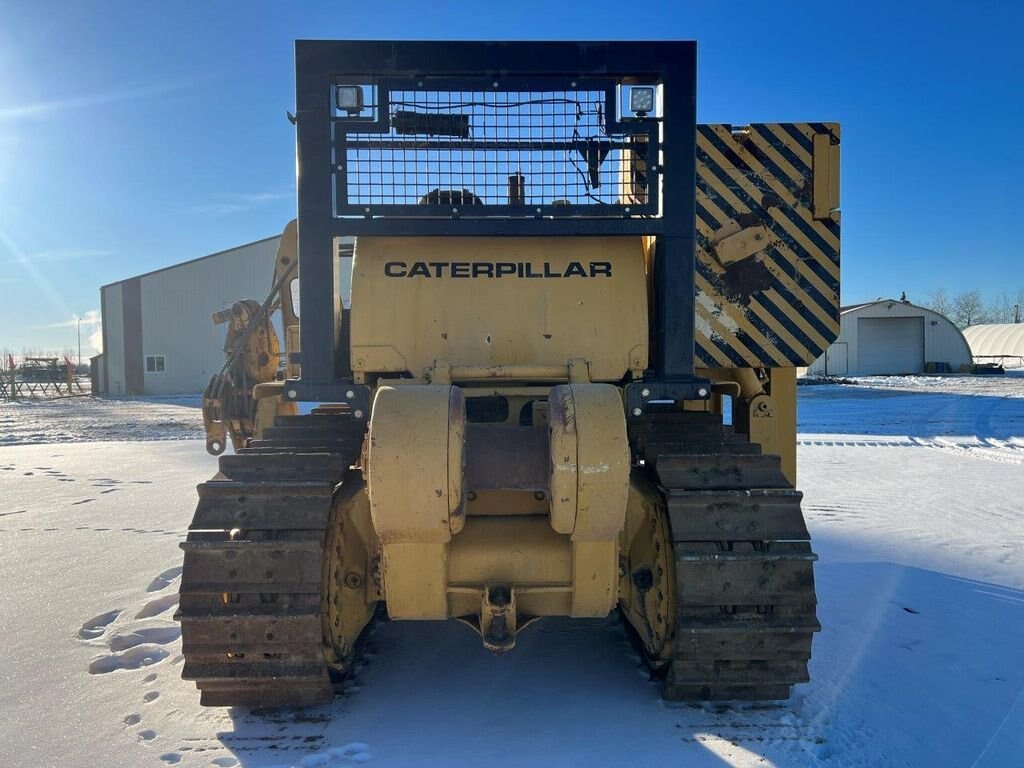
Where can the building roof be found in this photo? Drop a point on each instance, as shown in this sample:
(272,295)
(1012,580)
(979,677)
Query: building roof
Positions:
(191,261)
(996,339)
(853,307)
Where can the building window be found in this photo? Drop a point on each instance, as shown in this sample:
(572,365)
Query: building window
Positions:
(154,363)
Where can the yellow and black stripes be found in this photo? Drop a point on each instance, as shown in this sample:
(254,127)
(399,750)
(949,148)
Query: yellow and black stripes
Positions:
(777,305)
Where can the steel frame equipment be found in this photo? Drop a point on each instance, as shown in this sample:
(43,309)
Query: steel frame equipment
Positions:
(386,130)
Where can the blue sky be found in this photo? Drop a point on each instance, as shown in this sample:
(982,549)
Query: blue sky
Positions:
(136,135)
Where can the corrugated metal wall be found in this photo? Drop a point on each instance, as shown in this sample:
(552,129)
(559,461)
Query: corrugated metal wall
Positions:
(943,341)
(131,300)
(167,313)
(113,338)
(176,308)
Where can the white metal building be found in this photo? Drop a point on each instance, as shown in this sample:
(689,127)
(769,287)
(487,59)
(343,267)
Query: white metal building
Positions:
(996,341)
(892,337)
(158,338)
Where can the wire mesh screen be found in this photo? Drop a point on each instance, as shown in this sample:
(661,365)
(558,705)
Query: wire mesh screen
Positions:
(478,152)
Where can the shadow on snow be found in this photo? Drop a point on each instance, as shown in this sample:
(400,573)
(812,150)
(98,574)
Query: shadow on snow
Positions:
(913,668)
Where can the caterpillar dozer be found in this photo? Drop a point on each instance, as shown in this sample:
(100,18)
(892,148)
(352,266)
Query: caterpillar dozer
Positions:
(530,286)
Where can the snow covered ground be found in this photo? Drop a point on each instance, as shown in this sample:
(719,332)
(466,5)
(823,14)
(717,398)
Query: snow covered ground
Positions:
(915,499)
(1010,384)
(91,419)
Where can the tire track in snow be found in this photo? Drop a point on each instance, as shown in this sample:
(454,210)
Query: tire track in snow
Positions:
(993,449)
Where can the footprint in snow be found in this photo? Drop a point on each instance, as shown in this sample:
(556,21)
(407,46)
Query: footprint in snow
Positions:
(157,606)
(154,635)
(134,658)
(147,735)
(165,579)
(171,758)
(356,751)
(132,719)
(224,762)
(97,625)
(151,696)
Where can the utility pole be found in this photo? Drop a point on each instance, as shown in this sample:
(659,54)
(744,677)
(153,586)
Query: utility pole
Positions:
(78,321)
(1016,313)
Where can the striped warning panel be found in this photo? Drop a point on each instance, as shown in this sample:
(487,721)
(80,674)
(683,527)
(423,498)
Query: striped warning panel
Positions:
(767,243)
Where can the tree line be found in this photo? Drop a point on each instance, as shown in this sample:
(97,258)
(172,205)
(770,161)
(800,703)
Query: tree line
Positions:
(970,307)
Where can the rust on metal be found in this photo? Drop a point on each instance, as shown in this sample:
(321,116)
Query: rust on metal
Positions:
(253,582)
(746,604)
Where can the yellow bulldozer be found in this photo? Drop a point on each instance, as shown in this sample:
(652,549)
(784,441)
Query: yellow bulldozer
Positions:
(540,331)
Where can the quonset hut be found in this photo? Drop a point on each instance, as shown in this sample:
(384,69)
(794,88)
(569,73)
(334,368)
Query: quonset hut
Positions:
(1003,342)
(893,336)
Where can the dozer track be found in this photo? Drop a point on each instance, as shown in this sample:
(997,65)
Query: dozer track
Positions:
(253,587)
(745,584)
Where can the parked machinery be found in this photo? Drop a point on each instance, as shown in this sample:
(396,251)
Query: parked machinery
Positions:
(558,281)
(44,369)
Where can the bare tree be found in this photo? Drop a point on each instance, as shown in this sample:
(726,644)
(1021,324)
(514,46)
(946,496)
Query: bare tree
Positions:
(939,301)
(968,308)
(1000,310)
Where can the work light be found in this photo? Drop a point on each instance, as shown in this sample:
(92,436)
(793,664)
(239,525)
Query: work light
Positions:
(350,98)
(641,99)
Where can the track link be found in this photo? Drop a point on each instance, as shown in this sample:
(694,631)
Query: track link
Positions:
(744,566)
(252,588)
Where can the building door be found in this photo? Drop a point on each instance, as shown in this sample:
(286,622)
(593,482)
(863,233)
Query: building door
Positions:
(836,359)
(890,345)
